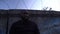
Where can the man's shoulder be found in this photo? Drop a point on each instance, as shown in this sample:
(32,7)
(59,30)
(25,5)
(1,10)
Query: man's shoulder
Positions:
(20,22)
(16,23)
(31,22)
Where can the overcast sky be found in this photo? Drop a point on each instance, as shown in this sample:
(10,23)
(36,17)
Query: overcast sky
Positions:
(29,4)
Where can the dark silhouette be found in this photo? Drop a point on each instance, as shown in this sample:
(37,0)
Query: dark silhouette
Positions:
(24,26)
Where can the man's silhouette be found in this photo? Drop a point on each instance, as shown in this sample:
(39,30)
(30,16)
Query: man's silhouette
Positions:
(24,26)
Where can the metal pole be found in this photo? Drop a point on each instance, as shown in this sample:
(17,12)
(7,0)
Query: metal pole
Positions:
(7,22)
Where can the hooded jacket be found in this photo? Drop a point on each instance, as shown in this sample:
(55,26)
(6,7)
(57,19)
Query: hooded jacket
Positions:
(24,27)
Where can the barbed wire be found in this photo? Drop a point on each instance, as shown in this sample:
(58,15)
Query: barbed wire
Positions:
(6,4)
(17,4)
(32,4)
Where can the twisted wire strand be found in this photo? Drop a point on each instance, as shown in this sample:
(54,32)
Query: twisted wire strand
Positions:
(17,4)
(6,4)
(33,4)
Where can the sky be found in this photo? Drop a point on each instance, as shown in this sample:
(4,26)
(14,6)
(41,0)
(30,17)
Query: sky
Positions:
(30,4)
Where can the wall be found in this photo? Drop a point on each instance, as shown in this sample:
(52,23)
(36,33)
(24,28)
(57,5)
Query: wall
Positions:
(46,25)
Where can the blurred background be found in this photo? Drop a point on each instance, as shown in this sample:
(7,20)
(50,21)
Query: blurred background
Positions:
(10,12)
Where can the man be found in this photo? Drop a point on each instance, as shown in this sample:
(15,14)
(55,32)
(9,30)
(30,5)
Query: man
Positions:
(24,26)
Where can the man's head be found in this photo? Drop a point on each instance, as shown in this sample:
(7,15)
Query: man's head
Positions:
(24,15)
